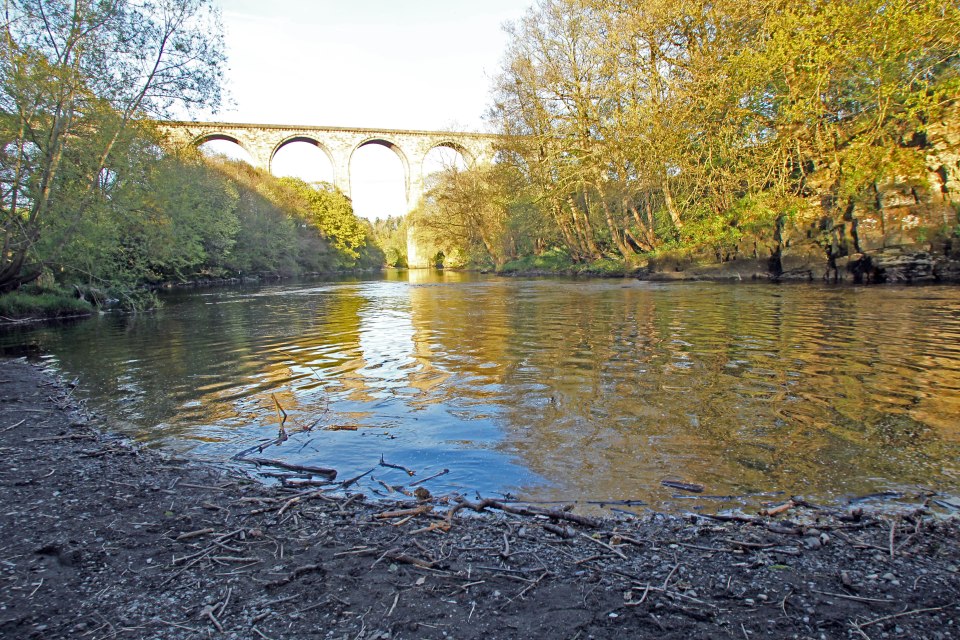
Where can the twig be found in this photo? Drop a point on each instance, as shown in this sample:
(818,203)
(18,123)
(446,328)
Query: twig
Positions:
(670,575)
(415,511)
(605,545)
(37,588)
(436,475)
(384,463)
(342,510)
(531,585)
(280,412)
(178,626)
(194,534)
(748,545)
(774,511)
(893,533)
(293,575)
(14,426)
(397,556)
(520,510)
(683,486)
(900,615)
(207,612)
(226,601)
(854,598)
(347,483)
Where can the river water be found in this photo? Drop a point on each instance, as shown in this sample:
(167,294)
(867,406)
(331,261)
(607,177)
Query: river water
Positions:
(552,389)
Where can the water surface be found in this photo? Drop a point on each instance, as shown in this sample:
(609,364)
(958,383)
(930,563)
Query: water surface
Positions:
(546,388)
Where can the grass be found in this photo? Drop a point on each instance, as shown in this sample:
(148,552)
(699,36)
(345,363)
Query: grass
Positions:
(17,305)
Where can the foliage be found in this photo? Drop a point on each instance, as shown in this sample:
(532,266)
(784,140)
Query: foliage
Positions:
(704,125)
(22,305)
(326,209)
(555,260)
(75,78)
(479,212)
(390,235)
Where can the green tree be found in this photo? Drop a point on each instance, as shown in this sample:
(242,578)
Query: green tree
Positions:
(329,211)
(74,78)
(696,124)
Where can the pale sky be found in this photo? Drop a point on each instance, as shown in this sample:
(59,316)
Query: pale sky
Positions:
(427,64)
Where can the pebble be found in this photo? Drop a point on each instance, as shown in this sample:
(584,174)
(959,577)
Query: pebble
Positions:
(762,597)
(889,577)
(812,543)
(692,593)
(749,602)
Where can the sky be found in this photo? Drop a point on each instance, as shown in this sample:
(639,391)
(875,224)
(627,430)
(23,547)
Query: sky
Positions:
(424,64)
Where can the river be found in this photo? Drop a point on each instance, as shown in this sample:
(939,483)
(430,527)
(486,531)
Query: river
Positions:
(549,389)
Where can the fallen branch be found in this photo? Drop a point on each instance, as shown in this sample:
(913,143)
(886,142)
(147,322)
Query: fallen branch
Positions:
(555,514)
(280,464)
(398,556)
(347,483)
(436,475)
(899,615)
(293,575)
(683,486)
(194,534)
(773,511)
(384,463)
(416,511)
(605,545)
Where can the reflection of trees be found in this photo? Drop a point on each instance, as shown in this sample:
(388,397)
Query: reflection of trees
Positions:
(607,390)
(214,360)
(603,389)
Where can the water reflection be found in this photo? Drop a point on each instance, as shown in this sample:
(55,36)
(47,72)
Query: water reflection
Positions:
(550,388)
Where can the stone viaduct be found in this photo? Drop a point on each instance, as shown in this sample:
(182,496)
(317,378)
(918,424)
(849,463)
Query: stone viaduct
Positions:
(262,141)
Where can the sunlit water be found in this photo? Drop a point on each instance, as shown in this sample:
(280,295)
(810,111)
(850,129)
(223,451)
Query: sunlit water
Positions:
(548,389)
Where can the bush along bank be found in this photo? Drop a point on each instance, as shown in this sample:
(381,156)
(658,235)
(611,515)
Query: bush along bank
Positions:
(36,304)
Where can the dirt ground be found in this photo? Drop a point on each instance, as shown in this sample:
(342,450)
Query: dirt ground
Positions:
(100,539)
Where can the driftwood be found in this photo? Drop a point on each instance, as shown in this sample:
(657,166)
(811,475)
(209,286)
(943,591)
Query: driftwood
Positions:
(554,514)
(384,463)
(683,486)
(280,464)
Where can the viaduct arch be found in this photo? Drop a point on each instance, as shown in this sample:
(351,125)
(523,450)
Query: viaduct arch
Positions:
(262,141)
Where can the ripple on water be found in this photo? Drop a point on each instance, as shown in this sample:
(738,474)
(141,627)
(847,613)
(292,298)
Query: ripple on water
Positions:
(557,389)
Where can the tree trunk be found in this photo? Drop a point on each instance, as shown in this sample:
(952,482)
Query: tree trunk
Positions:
(671,206)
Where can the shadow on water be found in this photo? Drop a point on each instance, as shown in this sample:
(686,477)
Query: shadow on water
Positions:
(547,388)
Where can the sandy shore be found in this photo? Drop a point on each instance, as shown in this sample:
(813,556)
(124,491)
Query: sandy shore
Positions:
(101,539)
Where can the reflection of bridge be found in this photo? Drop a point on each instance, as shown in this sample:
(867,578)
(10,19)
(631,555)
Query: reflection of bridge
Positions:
(262,141)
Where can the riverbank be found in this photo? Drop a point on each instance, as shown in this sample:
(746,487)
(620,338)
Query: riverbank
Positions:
(22,308)
(102,539)
(894,265)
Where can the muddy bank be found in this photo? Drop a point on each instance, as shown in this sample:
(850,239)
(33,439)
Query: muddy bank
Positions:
(104,540)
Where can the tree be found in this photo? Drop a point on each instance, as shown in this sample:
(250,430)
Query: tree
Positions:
(326,209)
(695,122)
(75,76)
(478,211)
